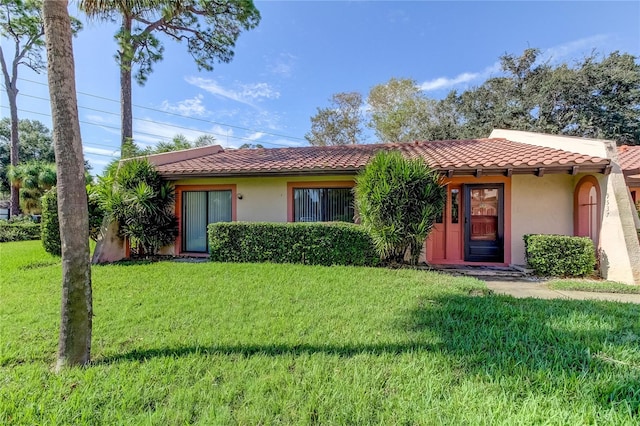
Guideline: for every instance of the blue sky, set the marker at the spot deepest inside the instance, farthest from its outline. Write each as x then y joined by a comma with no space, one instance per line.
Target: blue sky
302,52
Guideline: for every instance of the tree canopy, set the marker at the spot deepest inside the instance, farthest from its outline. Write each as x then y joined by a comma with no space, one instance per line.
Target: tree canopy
340,123
35,144
21,22
597,96
209,28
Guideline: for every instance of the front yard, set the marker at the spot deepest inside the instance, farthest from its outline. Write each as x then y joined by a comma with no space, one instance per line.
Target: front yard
210,343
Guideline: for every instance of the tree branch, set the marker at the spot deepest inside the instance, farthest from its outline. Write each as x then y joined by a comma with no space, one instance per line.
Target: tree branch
5,71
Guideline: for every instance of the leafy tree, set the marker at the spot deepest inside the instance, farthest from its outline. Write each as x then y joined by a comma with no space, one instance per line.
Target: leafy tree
340,123
400,112
141,203
597,97
594,97
209,27
21,22
74,346
50,225
32,179
203,140
250,146
177,143
131,149
35,145
398,200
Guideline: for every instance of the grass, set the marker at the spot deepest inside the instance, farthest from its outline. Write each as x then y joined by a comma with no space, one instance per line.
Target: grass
208,343
596,286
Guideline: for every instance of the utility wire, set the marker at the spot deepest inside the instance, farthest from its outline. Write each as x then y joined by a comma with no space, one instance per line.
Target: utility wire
161,137
153,122
179,115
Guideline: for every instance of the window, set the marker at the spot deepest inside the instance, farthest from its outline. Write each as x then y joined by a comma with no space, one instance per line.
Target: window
200,208
322,205
455,205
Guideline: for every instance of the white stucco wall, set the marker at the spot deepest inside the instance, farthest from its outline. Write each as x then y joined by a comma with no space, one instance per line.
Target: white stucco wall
264,199
619,246
539,205
595,147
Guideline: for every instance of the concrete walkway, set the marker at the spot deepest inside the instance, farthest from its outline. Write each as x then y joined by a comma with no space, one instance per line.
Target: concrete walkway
538,289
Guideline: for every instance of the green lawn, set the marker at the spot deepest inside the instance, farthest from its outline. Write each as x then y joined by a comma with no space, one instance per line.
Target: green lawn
206,343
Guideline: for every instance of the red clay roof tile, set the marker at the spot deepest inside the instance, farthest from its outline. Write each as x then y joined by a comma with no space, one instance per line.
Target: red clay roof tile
463,156
629,159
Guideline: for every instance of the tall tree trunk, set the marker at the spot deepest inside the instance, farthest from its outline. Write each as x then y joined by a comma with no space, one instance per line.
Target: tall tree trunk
12,93
126,111
75,328
10,81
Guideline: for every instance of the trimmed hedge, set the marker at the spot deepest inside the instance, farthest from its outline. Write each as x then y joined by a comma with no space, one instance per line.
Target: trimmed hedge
560,255
309,243
50,225
19,231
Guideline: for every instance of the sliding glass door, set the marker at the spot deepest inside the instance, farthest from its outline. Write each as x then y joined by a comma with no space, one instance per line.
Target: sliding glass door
200,208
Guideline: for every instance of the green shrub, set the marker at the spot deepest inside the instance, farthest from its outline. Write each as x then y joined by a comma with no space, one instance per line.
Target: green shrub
398,201
310,243
136,197
560,255
19,231
96,212
50,224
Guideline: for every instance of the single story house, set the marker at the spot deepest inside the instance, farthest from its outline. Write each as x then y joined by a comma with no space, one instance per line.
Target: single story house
498,189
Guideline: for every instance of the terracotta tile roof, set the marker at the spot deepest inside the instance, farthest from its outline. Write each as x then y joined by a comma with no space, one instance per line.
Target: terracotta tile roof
629,159
485,156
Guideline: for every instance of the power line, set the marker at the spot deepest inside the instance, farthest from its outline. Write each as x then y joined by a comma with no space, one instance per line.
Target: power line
161,137
152,122
180,115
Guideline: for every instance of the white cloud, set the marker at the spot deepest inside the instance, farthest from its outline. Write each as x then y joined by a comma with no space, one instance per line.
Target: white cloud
243,93
280,143
583,46
554,54
258,90
466,77
282,65
255,136
188,107
96,118
444,82
100,151
150,132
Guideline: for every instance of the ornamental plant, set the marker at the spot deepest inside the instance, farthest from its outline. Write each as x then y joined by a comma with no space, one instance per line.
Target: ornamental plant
135,196
398,200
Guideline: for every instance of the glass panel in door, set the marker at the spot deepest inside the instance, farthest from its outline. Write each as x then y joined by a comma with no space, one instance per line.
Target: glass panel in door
483,218
194,225
484,214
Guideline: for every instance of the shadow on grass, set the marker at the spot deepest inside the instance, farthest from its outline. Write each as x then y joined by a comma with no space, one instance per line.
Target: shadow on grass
265,350
544,344
530,339
40,264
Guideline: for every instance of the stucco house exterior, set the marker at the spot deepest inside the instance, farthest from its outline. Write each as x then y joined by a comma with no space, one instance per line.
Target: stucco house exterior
498,189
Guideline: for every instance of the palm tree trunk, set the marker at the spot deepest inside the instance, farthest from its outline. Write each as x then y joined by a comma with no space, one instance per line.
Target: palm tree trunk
126,111
74,346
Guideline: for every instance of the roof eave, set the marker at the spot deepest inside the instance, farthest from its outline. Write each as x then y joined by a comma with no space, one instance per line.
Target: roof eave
538,170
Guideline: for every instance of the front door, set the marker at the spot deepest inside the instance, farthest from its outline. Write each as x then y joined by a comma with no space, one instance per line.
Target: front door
484,223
